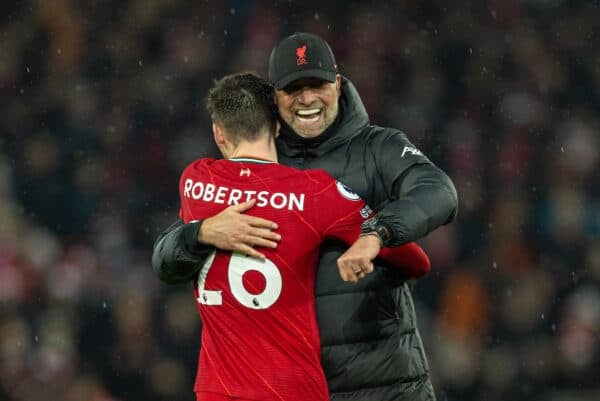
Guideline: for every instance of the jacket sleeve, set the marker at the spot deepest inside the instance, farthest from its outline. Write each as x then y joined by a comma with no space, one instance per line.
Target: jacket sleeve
177,256
423,197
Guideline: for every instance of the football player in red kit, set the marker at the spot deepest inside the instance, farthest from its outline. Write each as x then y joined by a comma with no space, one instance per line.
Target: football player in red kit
260,339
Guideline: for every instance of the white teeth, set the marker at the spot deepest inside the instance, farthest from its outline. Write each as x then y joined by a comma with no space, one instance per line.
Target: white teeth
308,112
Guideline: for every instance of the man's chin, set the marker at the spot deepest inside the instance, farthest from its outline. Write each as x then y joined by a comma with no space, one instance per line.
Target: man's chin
308,133
308,130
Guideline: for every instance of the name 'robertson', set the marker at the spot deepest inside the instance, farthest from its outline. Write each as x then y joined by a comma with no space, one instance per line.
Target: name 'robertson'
198,190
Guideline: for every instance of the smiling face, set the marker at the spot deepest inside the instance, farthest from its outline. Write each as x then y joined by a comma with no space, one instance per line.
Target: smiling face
309,105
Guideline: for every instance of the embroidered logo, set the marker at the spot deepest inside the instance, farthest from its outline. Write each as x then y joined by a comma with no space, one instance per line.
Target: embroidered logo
411,150
346,192
301,55
365,212
245,172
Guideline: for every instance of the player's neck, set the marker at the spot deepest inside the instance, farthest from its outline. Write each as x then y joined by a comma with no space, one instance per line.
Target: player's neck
261,149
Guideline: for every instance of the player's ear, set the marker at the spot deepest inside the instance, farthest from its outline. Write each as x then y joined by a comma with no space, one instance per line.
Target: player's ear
220,139
218,134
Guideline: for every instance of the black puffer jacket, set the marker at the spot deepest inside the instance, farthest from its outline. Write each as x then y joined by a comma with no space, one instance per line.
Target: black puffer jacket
371,347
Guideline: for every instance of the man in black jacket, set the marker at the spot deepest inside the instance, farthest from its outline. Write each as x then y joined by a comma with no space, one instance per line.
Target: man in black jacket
371,347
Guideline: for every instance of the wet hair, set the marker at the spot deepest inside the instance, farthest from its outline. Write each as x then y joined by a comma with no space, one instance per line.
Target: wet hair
243,105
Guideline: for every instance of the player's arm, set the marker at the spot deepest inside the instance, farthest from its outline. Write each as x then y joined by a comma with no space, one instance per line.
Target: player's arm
413,259
347,222
358,259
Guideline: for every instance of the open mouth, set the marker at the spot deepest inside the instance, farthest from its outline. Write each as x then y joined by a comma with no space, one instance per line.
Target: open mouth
308,115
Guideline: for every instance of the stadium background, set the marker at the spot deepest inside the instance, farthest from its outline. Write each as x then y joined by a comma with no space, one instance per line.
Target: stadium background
101,107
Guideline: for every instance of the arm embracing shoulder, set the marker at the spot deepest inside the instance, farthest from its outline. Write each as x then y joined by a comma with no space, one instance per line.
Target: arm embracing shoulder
423,197
177,255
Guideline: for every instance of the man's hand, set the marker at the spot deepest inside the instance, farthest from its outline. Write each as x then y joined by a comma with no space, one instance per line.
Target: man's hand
232,230
357,261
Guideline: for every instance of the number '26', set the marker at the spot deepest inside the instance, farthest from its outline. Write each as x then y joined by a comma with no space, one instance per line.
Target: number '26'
238,265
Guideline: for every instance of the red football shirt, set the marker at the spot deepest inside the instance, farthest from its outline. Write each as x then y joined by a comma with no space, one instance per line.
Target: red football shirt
259,331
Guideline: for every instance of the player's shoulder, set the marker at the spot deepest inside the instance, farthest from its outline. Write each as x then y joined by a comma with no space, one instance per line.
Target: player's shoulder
283,172
318,175
198,165
315,178
322,182
305,181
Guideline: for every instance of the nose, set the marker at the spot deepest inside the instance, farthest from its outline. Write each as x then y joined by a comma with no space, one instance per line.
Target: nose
306,96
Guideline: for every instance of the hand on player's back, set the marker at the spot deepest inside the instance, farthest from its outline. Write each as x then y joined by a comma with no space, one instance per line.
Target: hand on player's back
232,230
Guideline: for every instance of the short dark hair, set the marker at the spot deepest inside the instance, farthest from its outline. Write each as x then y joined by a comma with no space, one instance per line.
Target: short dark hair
243,104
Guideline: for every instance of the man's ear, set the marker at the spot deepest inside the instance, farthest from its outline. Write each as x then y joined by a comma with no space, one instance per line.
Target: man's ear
277,128
338,84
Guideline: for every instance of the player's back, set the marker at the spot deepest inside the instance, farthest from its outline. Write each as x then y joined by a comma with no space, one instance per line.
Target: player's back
259,338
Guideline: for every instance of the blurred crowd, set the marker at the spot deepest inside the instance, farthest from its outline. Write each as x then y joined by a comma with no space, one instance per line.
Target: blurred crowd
101,106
